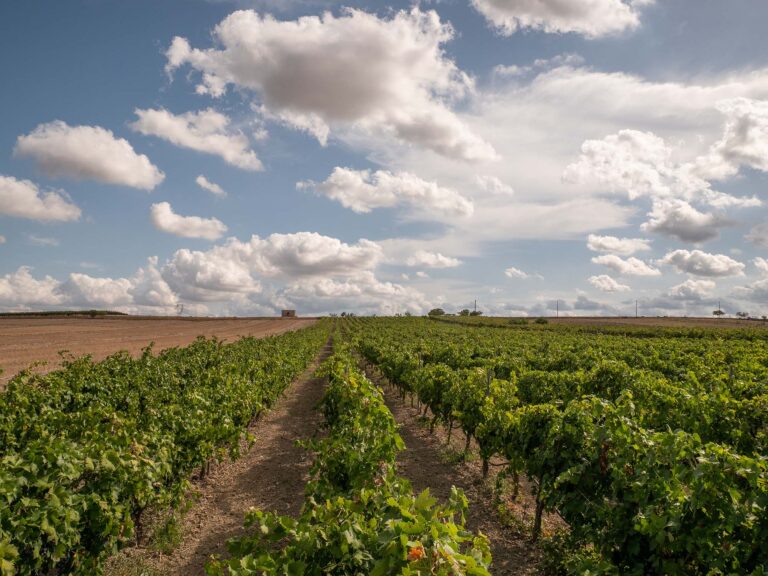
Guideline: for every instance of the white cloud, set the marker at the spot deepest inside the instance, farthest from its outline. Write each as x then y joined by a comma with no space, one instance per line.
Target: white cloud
590,18
23,199
678,219
322,73
432,260
605,283
629,267
208,276
84,290
211,187
87,153
494,185
165,220
618,246
206,131
744,141
692,290
421,274
235,266
758,235
635,162
145,292
21,289
43,241
2,239
362,292
513,272
363,191
701,263
761,264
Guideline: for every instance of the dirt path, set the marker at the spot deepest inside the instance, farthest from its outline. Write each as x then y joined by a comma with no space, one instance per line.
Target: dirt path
271,476
424,463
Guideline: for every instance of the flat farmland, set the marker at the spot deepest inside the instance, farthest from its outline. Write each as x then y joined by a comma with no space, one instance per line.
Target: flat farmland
26,340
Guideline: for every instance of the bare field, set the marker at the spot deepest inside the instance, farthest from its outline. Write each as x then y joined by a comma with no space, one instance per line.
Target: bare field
25,340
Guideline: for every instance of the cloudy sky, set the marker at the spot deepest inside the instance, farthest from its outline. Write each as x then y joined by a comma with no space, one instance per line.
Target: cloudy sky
242,156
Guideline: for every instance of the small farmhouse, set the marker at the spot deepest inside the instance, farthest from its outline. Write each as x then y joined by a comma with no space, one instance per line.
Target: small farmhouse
288,314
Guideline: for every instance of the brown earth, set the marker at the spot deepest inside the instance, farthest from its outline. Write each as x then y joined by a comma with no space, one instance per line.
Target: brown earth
270,475
25,340
430,461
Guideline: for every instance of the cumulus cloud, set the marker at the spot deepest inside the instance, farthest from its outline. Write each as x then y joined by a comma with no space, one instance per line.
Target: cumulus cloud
678,219
758,235
744,141
692,290
432,260
605,283
206,131
320,73
87,153
635,162
494,185
211,187
704,264
235,266
23,199
165,220
144,292
629,267
513,272
2,239
618,246
362,292
761,264
21,289
363,191
590,18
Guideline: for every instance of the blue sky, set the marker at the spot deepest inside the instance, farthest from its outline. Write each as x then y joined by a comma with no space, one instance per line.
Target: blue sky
383,158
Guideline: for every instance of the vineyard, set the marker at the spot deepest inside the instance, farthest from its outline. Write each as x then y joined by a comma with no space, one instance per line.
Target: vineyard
651,446
87,449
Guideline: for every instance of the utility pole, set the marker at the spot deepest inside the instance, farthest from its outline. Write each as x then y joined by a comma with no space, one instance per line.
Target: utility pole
557,308
635,308
475,305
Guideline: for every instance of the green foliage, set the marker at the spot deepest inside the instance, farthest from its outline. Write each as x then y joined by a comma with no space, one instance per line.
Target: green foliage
85,450
650,444
359,517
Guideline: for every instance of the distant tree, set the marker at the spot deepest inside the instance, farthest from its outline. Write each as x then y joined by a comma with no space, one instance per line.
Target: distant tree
718,313
408,314
742,315
436,312
476,313
464,312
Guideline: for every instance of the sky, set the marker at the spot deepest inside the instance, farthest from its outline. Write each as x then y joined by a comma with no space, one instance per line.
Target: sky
238,157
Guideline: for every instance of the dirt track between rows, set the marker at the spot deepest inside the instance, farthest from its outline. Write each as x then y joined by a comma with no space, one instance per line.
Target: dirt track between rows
24,341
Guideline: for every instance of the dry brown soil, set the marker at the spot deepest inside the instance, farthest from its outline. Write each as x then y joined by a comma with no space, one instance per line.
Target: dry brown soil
427,463
270,476
27,340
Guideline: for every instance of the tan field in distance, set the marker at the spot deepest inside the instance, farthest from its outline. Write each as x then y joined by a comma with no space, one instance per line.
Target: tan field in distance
26,339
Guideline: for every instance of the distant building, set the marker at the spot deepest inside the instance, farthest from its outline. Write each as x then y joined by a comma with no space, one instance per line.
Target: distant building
288,314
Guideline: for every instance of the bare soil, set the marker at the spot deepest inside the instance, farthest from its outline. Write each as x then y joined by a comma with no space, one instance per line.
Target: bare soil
270,476
26,340
429,461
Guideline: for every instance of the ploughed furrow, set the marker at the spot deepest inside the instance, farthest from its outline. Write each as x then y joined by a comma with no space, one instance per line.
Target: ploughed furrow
271,476
428,462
